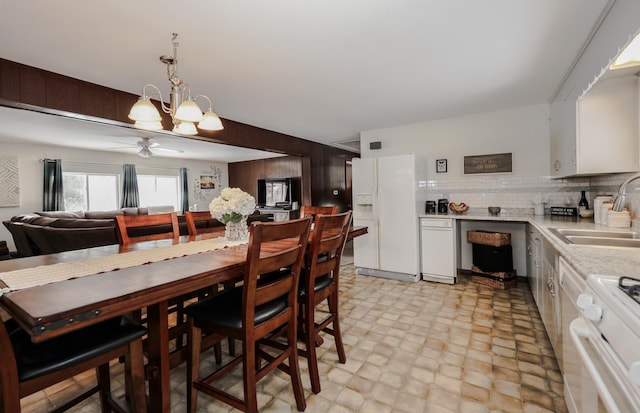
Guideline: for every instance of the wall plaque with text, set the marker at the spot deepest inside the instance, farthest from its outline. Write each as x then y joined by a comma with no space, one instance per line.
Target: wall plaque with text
486,164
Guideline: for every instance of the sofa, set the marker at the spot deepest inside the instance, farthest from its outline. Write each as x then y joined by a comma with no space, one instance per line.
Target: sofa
57,231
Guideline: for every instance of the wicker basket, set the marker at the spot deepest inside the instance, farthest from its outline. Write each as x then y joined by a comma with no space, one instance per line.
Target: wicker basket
495,239
499,280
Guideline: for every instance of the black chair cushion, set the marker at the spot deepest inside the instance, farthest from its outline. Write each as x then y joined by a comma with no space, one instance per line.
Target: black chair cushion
225,310
321,283
37,359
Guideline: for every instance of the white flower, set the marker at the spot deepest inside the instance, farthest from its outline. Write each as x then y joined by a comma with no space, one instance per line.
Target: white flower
232,205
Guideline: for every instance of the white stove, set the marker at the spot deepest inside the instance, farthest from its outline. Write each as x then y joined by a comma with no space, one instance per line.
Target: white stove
607,338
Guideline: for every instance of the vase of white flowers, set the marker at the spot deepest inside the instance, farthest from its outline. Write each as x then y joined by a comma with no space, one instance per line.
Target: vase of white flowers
232,208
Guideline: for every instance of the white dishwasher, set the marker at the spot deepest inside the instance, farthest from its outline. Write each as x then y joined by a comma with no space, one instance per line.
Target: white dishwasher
438,250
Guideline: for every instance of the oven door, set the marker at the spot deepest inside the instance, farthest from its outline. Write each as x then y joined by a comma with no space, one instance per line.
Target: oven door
606,386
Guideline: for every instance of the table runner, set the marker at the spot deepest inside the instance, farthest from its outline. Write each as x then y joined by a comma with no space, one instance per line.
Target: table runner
45,274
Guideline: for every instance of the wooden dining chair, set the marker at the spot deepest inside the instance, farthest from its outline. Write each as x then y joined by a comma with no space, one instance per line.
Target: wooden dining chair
192,217
252,312
312,211
28,367
320,278
137,228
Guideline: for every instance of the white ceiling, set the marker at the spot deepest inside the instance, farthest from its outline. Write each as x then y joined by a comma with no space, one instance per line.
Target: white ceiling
320,70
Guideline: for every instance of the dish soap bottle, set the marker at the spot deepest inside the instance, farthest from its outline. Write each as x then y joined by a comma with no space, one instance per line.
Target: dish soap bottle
583,204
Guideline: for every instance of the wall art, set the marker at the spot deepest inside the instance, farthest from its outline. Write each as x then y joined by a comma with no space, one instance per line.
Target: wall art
488,164
9,181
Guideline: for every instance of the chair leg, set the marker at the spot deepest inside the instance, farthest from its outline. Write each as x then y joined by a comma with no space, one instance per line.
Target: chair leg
194,339
310,343
337,334
249,375
294,368
232,346
134,368
104,386
10,390
179,321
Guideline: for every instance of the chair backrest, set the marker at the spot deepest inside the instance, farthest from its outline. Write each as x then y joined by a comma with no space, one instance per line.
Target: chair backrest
325,247
191,218
8,373
136,228
312,211
274,247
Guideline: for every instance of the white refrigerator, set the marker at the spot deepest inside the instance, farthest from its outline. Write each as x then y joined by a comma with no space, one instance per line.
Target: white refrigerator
388,194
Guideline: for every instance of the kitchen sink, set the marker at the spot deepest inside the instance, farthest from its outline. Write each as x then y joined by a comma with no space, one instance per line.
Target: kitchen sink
598,237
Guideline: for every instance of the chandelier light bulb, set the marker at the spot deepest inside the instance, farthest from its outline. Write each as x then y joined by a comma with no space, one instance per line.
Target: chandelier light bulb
210,121
186,128
148,125
188,111
143,110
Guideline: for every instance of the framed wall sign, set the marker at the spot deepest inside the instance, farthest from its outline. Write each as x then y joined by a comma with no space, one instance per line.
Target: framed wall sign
441,165
488,164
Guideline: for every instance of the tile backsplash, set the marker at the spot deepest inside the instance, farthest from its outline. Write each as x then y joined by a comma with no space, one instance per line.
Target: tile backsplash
516,194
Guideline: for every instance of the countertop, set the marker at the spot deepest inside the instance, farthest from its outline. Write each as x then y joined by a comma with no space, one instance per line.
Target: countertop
586,259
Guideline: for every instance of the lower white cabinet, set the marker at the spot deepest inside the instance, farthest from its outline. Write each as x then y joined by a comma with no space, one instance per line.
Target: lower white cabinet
542,265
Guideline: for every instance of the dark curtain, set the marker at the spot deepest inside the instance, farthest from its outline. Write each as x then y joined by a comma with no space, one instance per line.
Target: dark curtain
130,196
53,197
184,188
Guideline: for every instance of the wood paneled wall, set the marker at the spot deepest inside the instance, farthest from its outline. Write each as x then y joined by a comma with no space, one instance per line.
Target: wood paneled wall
322,167
245,175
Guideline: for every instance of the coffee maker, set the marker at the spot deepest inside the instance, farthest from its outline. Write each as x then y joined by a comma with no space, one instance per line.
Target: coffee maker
430,207
443,206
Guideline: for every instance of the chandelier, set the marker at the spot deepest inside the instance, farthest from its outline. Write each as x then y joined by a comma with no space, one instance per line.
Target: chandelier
185,113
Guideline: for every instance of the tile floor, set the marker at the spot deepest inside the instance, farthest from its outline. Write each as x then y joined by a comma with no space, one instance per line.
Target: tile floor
422,347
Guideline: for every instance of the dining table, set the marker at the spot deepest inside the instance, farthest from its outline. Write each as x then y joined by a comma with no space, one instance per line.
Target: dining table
56,308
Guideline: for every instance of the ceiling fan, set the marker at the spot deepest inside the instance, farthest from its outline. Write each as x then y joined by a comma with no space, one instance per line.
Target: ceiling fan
146,145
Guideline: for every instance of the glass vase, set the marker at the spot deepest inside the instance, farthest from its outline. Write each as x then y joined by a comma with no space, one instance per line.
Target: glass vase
237,231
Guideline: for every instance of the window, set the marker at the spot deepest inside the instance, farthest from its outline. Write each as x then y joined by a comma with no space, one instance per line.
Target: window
90,192
159,190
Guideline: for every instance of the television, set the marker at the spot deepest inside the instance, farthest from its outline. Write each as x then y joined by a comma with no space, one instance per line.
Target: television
278,192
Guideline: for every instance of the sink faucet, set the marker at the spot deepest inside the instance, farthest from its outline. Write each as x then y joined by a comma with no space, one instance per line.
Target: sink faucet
619,202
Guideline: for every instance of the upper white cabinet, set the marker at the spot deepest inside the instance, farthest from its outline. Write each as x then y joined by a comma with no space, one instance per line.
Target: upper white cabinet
607,127
594,123
605,137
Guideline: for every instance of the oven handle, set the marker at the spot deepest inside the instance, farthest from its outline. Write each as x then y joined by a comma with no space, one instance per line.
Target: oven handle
579,329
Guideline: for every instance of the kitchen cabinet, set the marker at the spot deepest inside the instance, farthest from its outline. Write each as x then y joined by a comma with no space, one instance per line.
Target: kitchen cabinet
571,286
542,264
533,263
549,294
604,138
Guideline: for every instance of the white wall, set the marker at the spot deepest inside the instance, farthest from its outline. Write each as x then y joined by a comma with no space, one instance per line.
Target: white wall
31,168
523,131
